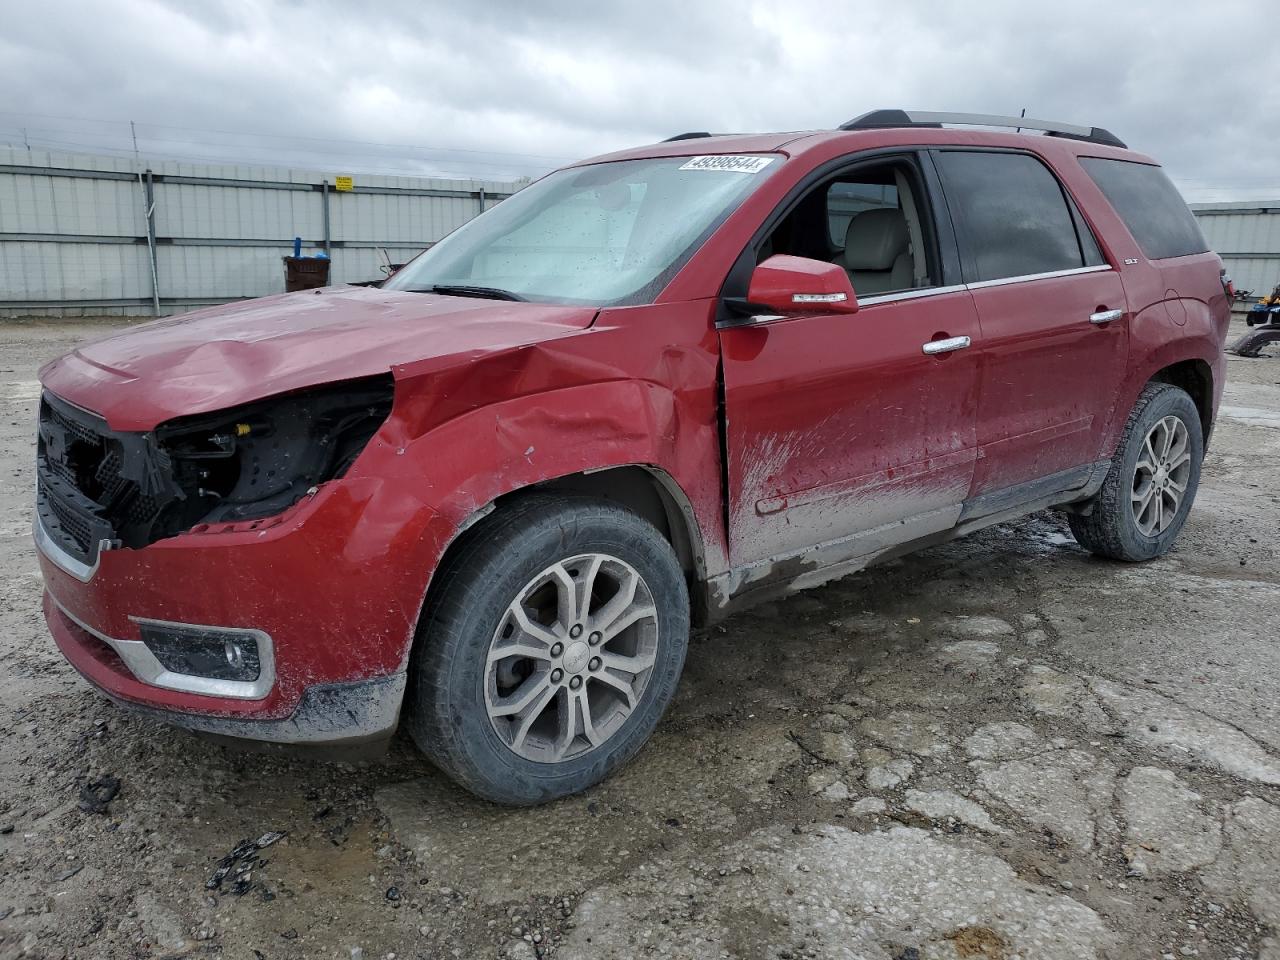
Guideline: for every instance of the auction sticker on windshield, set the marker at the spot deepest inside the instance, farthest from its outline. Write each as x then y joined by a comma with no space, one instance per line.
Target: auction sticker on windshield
725,163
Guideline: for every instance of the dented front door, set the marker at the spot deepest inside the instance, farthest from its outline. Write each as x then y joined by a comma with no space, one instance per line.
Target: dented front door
849,427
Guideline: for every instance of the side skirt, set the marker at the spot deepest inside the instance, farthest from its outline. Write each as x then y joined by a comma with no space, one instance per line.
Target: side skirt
743,587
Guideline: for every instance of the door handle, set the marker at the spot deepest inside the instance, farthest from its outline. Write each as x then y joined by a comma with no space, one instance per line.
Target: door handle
1105,316
945,346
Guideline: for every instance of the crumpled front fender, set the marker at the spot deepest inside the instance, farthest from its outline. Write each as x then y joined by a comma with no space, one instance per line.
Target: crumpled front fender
639,388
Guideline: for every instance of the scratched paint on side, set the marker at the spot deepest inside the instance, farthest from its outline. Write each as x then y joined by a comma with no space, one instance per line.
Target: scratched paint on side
804,527
770,520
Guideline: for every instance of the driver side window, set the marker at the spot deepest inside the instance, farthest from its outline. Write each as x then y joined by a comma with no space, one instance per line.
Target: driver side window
871,221
846,199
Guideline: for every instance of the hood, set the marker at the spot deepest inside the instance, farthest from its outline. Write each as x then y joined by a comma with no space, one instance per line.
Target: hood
224,356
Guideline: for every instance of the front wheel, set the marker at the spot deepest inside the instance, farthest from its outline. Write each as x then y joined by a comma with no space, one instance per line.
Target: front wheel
552,644
1153,479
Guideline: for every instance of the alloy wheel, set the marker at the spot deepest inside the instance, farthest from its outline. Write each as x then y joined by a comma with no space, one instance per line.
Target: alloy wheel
1161,475
571,658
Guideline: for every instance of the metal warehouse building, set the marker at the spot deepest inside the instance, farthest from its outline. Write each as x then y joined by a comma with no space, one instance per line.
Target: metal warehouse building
1247,237
93,236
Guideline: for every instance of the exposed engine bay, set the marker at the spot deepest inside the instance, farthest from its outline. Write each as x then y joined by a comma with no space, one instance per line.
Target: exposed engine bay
253,461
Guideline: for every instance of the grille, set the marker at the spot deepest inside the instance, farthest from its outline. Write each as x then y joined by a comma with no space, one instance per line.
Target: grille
82,431
83,497
70,518
73,524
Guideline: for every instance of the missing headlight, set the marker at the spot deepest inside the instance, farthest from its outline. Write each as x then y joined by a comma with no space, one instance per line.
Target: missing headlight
257,460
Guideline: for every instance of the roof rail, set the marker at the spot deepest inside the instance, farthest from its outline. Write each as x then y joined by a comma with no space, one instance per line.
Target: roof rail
883,119
695,135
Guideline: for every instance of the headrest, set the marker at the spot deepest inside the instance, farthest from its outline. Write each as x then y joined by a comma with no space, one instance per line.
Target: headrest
875,239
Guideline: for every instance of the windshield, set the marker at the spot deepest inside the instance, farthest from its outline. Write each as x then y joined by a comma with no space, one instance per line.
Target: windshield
605,234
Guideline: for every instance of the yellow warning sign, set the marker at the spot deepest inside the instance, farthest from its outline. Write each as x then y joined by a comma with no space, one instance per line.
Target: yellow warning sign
343,184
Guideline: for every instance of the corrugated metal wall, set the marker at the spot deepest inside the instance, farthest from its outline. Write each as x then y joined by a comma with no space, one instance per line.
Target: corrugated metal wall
1247,237
73,230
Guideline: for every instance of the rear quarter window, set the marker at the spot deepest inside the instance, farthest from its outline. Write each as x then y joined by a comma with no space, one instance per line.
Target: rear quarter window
1150,206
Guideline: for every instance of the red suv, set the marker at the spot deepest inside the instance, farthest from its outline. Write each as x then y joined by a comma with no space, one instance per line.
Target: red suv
488,498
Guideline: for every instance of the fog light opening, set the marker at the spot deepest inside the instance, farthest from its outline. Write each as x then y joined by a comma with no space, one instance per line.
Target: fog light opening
207,652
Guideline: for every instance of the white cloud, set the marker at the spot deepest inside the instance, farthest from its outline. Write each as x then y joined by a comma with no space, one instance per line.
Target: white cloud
517,87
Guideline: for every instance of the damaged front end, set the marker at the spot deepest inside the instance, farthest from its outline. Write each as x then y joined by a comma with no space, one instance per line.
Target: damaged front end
102,489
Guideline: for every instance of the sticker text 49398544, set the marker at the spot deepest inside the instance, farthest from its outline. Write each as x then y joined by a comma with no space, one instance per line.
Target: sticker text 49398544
726,163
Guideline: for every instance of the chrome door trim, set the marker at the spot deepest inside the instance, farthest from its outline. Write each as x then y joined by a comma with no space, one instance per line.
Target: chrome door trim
907,295
1028,277
956,287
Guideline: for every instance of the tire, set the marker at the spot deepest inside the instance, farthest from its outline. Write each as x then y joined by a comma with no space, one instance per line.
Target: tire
527,757
1119,526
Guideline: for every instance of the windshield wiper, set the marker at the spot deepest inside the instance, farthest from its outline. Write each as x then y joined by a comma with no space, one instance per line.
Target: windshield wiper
463,290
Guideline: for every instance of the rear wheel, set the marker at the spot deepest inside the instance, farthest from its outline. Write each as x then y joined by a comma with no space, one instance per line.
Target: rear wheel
553,643
1153,479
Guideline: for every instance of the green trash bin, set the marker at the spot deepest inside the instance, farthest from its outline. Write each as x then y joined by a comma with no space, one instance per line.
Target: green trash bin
305,273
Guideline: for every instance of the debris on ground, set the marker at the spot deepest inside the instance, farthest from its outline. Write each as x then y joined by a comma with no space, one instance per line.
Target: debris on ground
97,794
236,868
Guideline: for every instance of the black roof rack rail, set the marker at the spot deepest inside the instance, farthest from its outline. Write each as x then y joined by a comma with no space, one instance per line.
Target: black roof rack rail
697,134
887,119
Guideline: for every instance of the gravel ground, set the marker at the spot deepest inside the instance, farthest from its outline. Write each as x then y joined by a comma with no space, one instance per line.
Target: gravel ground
999,748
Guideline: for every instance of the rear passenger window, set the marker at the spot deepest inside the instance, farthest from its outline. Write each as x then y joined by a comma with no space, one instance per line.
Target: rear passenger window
1150,206
1011,215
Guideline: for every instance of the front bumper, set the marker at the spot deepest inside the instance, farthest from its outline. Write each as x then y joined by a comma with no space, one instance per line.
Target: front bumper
329,714
331,589
334,714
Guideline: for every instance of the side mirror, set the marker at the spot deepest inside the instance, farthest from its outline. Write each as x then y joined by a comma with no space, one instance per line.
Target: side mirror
789,285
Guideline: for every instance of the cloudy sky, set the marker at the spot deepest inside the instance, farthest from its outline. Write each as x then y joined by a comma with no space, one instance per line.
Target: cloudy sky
505,88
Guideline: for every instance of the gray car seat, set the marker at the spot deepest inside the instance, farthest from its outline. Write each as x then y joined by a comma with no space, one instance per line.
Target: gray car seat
877,252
